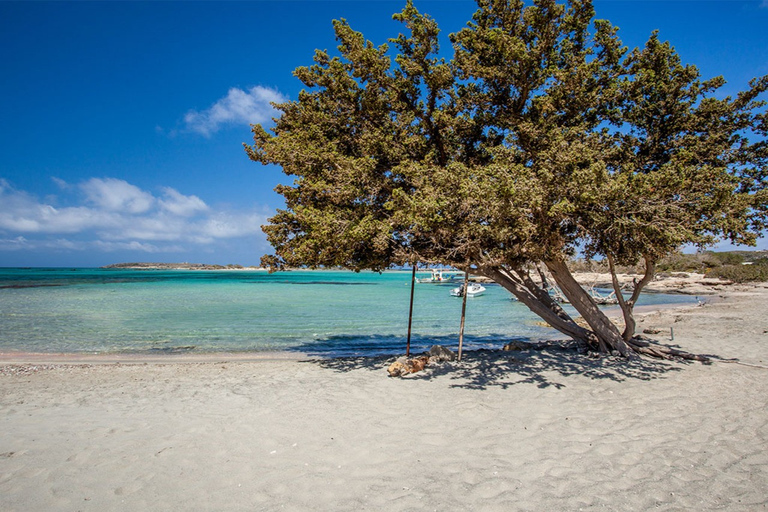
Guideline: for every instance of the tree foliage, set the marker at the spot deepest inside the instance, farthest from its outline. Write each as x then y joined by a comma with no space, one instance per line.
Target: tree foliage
543,136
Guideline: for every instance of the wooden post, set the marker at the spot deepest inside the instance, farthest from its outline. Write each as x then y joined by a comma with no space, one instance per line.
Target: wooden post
463,312
410,312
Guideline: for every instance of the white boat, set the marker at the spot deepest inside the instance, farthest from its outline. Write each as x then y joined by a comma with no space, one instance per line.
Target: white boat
473,290
436,277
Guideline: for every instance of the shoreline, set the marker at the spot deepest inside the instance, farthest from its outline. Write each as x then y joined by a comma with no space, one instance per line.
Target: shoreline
691,285
75,358
84,358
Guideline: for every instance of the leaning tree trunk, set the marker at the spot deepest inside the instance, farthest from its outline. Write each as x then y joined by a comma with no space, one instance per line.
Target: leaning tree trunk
607,333
604,335
539,302
542,292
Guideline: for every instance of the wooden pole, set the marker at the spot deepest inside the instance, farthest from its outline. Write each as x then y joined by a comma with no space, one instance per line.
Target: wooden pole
463,312
410,312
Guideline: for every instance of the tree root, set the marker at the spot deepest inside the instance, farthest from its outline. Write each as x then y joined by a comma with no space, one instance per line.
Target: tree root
643,346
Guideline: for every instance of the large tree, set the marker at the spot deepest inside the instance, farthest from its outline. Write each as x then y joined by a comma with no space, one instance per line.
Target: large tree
542,137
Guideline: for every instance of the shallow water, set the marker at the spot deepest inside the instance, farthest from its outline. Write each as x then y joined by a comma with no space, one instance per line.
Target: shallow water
333,313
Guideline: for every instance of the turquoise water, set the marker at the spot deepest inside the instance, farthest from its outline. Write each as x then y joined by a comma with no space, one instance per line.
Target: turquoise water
332,313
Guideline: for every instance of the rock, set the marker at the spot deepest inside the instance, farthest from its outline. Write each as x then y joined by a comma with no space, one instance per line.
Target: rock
516,345
440,354
417,364
397,368
404,365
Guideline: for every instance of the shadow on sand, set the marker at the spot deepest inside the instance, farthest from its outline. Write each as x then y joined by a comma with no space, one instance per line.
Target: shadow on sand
542,365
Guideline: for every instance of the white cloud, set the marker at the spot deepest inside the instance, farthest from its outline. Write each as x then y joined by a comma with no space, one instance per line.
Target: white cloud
21,243
61,183
13,244
157,227
226,225
179,204
133,246
237,107
117,195
116,216
22,213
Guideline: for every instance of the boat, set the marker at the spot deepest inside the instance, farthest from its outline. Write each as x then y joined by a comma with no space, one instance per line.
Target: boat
436,277
473,290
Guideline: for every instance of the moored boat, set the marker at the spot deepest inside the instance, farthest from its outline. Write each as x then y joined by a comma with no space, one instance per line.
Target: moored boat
437,277
473,290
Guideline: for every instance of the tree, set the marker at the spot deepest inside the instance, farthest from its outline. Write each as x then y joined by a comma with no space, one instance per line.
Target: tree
542,137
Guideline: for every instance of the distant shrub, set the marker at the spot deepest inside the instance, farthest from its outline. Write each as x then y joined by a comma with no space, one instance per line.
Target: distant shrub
757,271
582,265
723,258
680,262
702,263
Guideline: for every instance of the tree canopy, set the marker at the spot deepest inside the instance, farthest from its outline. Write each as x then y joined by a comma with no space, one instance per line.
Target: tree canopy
543,136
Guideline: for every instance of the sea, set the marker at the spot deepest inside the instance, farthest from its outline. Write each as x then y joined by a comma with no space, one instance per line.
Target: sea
321,313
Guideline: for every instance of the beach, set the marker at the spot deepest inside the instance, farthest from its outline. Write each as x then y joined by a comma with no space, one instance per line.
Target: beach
531,430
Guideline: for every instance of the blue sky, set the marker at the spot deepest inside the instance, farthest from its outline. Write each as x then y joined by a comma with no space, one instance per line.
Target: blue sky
123,122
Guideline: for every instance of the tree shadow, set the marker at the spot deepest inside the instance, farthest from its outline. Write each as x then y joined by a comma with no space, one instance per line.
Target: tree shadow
351,346
544,365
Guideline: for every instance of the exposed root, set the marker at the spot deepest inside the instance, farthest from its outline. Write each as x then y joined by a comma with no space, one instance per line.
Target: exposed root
642,346
645,347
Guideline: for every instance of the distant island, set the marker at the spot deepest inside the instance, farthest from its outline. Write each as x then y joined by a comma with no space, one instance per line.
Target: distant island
176,266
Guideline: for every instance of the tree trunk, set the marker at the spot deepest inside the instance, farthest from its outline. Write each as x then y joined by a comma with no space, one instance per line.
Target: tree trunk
605,336
607,333
541,292
628,306
463,311
562,323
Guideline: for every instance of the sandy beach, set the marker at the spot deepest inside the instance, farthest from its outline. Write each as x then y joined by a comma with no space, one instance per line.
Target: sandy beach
528,430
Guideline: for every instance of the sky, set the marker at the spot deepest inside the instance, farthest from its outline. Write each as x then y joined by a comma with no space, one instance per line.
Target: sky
122,122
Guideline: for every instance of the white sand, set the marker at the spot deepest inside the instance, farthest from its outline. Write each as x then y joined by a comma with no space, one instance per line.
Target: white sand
537,431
